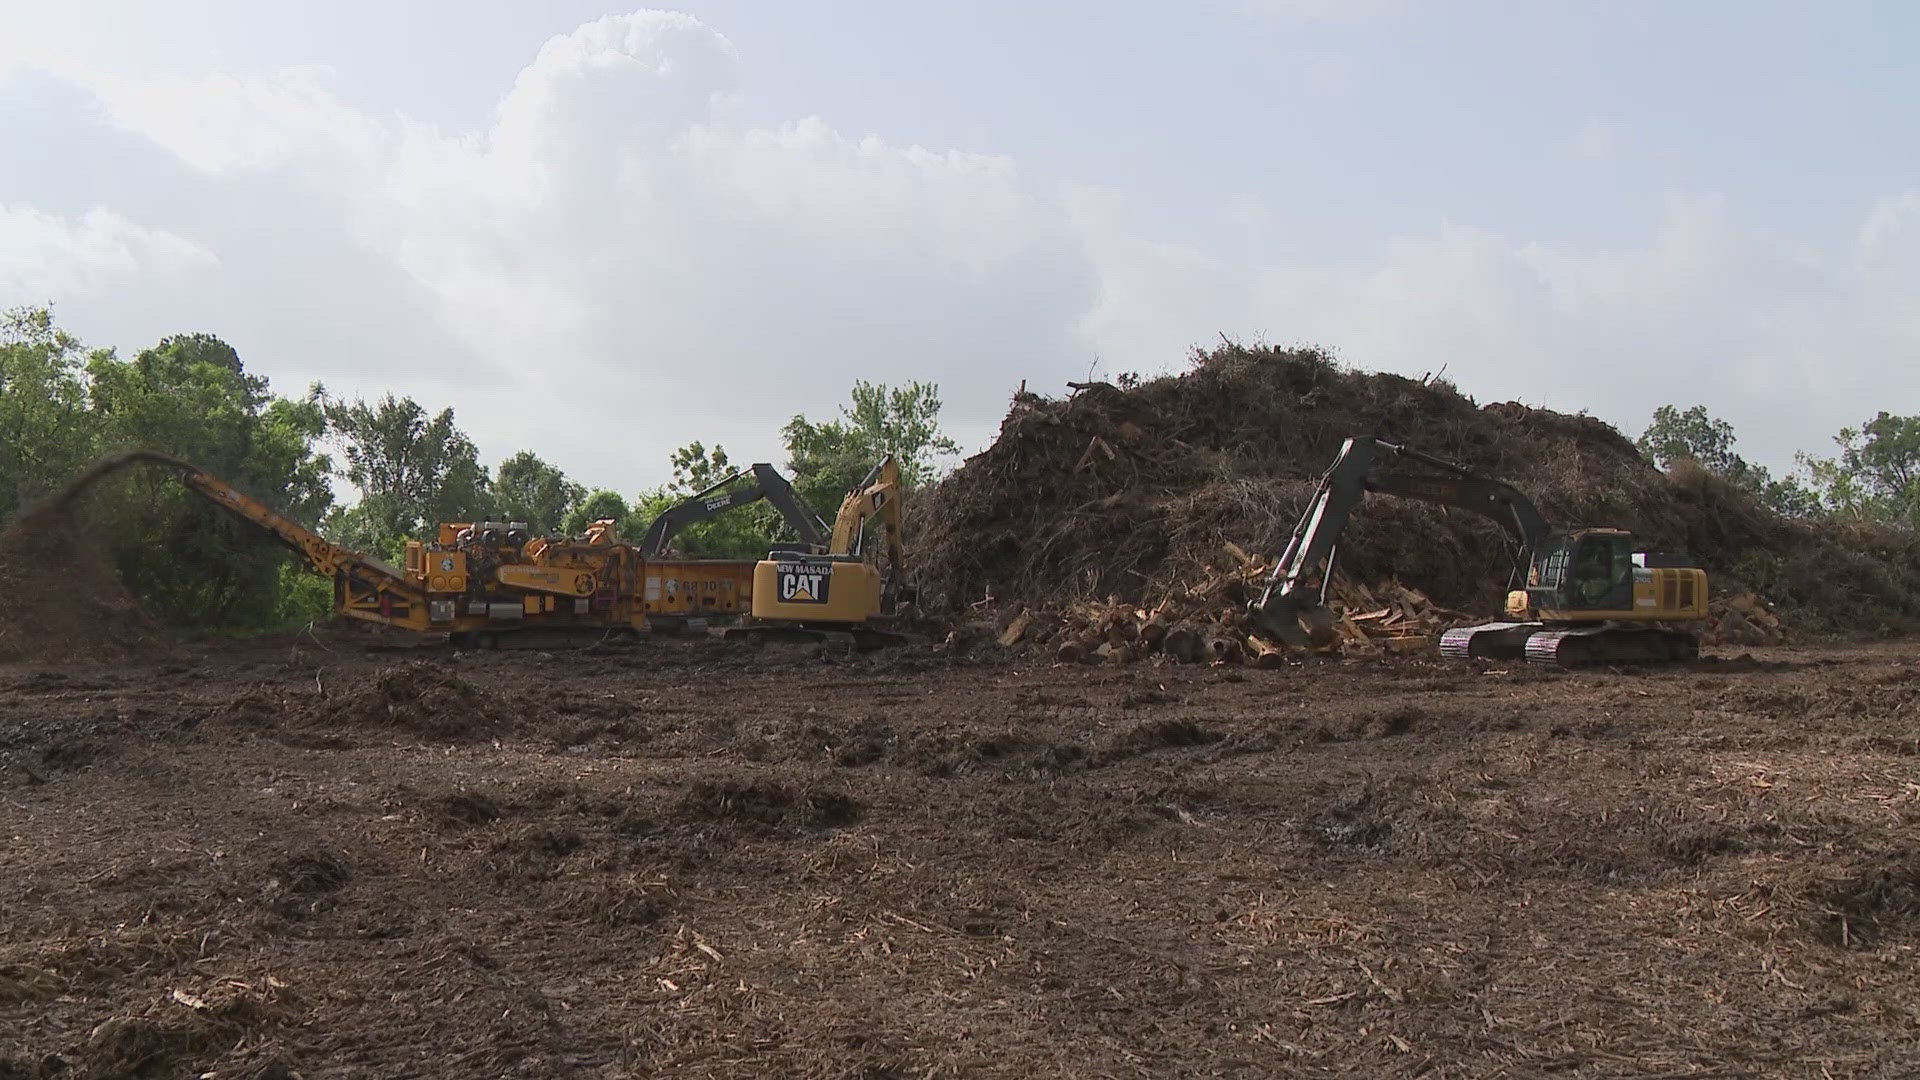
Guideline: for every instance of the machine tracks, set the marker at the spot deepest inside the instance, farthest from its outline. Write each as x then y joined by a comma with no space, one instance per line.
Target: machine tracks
1570,646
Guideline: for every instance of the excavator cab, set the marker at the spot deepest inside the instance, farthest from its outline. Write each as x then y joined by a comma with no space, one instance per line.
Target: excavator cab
1595,575
1582,570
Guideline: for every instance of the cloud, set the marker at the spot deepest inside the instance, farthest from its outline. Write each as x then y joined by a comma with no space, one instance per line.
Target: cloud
617,263
1597,140
1788,344
43,256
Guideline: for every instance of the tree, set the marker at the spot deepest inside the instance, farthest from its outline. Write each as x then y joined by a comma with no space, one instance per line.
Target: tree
695,468
744,532
47,434
1694,435
190,562
828,459
413,471
1708,441
528,489
599,506
1876,476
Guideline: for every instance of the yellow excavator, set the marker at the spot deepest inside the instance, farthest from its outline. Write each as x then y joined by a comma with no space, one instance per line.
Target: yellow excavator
802,593
1578,596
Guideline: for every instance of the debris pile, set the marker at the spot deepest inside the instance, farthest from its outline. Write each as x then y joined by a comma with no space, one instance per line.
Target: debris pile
421,698
1209,621
60,598
1124,496
1743,619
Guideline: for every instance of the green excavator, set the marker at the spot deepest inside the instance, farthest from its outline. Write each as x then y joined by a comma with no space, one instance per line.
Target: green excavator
1577,596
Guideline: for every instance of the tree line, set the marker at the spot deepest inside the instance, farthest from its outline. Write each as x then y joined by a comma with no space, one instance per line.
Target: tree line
63,406
1873,478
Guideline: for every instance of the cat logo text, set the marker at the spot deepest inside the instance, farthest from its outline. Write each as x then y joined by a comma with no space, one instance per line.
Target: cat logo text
804,582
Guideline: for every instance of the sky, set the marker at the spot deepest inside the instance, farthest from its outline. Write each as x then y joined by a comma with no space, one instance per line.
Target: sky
601,233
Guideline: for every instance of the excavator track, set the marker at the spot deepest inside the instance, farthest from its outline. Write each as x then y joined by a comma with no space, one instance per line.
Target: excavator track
546,637
1569,646
1610,643
851,639
1489,641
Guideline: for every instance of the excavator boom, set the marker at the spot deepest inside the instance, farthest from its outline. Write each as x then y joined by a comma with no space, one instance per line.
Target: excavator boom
1287,601
767,484
878,495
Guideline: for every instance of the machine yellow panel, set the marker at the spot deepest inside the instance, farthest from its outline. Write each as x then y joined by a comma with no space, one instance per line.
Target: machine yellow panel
1665,594
697,587
443,571
545,579
815,590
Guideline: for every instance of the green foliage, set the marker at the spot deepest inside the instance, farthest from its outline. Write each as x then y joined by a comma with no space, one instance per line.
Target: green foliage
1792,497
1876,476
827,459
47,433
305,598
745,532
191,563
1708,441
528,489
413,471
599,506
695,468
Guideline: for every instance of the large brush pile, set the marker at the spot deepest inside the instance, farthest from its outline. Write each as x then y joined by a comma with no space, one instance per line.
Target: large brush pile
1133,494
60,599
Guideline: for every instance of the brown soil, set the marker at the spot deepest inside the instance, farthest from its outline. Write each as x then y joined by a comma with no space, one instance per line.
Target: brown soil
313,860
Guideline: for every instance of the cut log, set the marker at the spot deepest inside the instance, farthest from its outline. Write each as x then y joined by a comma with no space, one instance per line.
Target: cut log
1015,630
1263,655
1224,650
1183,644
1239,555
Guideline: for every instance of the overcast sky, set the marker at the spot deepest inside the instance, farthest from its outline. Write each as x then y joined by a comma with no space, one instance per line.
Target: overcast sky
601,233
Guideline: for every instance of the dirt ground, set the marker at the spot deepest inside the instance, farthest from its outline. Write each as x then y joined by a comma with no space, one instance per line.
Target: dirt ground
312,859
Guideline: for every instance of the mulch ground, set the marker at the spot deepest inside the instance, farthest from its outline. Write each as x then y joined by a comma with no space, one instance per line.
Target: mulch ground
683,859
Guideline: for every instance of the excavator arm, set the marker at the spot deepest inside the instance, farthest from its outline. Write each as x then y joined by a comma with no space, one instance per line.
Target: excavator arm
767,484
1290,609
876,496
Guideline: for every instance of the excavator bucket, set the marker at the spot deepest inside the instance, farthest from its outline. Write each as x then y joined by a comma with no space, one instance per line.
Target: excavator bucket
1307,626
